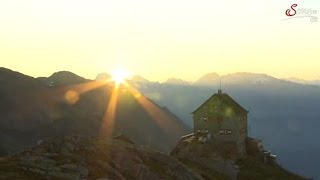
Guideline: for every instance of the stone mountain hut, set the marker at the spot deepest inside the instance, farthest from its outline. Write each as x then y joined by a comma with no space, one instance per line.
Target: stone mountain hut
222,121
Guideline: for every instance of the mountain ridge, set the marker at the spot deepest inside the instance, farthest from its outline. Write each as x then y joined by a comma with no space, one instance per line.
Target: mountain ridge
72,104
213,79
78,157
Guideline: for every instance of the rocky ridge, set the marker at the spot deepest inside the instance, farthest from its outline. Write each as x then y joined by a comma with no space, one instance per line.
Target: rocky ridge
207,159
77,157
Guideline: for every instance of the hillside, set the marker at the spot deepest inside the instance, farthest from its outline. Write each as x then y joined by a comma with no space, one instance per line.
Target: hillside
34,109
77,157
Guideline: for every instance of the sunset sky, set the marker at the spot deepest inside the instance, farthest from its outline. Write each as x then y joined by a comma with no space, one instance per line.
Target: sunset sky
159,39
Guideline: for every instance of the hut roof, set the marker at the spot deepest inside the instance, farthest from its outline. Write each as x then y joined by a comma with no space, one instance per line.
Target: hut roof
227,100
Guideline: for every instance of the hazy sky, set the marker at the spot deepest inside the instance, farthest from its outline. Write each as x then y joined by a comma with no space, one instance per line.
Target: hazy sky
159,39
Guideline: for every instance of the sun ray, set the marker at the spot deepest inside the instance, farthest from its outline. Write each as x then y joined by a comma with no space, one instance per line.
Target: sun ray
72,93
156,112
110,113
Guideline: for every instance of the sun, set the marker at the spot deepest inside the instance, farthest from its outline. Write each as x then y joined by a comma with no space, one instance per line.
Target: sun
119,75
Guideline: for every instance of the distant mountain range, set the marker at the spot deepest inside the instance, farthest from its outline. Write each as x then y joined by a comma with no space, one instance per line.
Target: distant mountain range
302,81
213,79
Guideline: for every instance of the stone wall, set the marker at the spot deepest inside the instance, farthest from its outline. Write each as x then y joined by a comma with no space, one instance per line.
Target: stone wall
217,127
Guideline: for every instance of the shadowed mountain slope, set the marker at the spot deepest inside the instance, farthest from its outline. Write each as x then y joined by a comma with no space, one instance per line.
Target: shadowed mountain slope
32,110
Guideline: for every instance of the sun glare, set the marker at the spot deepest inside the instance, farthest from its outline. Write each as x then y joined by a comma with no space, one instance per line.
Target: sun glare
119,75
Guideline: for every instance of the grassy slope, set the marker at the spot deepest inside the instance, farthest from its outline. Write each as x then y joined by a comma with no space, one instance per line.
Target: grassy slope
10,170
203,171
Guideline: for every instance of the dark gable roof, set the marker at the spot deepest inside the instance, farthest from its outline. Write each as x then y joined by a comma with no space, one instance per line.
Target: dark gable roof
226,99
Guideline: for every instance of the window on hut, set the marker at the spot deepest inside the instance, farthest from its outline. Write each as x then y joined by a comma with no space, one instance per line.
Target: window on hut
205,118
225,132
229,132
205,114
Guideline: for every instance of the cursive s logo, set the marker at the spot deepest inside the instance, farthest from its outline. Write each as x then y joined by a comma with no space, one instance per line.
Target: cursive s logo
294,12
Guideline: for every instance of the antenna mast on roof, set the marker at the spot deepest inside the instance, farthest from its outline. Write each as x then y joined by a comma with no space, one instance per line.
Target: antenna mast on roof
220,90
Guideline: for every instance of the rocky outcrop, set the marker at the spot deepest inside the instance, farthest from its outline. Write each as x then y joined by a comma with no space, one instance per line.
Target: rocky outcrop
207,159
78,157
206,155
